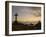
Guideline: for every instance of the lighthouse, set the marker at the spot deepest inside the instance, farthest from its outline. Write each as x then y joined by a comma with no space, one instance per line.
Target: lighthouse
16,17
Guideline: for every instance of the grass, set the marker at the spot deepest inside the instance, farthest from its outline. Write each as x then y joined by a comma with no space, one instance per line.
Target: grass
20,26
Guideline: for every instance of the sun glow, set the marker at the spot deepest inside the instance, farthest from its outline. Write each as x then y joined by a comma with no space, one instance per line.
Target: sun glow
29,19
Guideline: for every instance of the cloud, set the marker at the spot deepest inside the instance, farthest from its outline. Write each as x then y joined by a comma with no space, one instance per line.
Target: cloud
27,14
23,11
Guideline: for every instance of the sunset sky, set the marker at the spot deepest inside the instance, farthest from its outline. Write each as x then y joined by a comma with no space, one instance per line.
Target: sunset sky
26,14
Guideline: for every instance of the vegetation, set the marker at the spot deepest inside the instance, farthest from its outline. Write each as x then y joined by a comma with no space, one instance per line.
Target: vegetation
20,26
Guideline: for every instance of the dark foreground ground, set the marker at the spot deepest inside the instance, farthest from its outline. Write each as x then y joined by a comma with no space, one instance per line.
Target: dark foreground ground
20,26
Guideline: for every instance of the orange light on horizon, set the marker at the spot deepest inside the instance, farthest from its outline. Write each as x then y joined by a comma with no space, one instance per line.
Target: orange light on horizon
29,19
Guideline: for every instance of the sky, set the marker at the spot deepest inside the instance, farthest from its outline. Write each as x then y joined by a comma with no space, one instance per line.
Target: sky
26,14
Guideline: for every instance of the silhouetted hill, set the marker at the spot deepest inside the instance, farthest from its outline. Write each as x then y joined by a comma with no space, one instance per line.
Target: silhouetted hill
17,23
20,26
38,25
